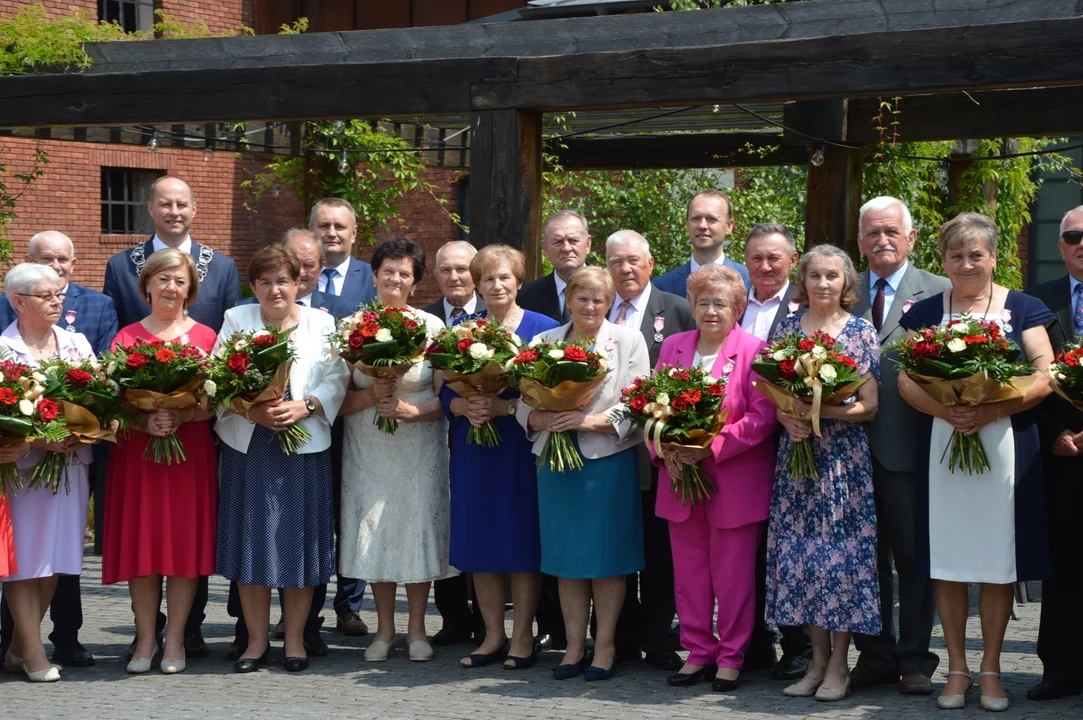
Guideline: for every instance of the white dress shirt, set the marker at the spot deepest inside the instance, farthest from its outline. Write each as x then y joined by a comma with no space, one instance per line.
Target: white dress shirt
470,307
759,315
185,246
634,317
693,265
340,277
890,289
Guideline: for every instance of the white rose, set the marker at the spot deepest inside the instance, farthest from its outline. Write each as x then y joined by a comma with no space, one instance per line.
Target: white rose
516,340
240,345
708,380
383,335
959,329
818,351
556,354
94,364
111,368
535,342
673,372
39,377
603,363
210,388
956,345
26,407
479,351
828,373
780,355
662,399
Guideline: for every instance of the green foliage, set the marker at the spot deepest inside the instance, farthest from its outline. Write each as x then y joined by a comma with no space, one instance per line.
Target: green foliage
8,197
31,40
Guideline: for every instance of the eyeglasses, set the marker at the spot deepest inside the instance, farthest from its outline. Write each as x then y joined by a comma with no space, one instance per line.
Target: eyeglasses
45,298
1072,237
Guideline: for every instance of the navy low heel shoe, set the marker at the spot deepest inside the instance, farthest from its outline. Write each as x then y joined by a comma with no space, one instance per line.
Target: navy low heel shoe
596,673
566,672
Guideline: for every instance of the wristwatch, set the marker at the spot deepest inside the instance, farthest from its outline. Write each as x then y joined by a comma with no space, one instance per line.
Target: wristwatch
310,405
511,407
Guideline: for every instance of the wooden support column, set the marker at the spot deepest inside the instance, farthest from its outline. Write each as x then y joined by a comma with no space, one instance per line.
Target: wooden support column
505,182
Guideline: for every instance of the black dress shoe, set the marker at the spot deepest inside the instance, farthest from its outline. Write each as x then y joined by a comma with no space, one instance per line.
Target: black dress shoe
195,647
452,636
790,667
1049,689
666,660
689,679
296,664
723,685
250,665
315,646
74,655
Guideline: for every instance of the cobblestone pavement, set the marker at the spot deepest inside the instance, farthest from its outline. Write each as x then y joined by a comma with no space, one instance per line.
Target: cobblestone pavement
342,685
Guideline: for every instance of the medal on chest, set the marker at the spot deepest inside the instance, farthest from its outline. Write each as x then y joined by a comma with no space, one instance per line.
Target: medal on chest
69,318
659,324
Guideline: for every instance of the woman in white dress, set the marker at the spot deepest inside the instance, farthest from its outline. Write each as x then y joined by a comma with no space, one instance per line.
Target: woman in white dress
395,521
986,528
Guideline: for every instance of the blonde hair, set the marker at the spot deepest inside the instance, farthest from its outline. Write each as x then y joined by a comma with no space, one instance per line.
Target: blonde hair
591,278
168,259
493,254
963,228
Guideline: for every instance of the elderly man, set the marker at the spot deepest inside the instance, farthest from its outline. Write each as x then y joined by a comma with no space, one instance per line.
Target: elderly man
310,255
1060,635
646,619
91,313
885,290
566,242
709,221
334,221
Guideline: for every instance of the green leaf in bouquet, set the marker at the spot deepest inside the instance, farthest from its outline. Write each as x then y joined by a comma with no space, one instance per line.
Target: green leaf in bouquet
373,352
936,368
277,354
569,370
440,360
768,371
16,427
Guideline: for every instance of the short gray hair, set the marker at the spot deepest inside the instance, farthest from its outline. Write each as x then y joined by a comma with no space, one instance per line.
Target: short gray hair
307,235
451,245
44,235
883,203
25,278
333,202
628,237
965,227
849,296
764,229
1064,220
562,214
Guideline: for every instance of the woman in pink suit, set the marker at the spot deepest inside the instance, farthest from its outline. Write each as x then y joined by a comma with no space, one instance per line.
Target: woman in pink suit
714,543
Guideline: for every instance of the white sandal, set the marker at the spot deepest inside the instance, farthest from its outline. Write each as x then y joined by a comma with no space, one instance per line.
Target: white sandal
992,704
956,702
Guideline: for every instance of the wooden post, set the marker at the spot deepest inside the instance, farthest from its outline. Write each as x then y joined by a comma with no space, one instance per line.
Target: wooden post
505,182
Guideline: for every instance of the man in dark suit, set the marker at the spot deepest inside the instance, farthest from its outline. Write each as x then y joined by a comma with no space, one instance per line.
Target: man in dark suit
709,221
1060,634
172,207
645,622
458,300
566,243
771,256
885,291
91,313
334,222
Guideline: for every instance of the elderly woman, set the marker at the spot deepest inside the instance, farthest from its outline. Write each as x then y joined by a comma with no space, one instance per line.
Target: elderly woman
395,503
591,521
275,516
986,528
48,528
821,543
494,523
160,520
714,543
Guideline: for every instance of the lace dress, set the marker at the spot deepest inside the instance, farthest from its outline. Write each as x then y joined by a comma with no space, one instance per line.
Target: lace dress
395,521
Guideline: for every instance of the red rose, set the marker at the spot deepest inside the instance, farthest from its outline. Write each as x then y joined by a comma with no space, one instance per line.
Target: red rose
527,356
465,344
679,403
849,362
825,339
137,360
575,354
786,369
191,352
369,316
46,410
638,403
78,378
1069,360
12,370
264,341
8,396
238,363
356,340
806,345
369,329
717,390
165,355
410,325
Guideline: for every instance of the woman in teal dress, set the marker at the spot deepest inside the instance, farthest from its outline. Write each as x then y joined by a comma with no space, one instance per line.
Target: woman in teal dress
591,521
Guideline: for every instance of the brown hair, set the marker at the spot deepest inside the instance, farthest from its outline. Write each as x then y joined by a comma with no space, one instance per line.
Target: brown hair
272,259
849,286
333,202
710,193
168,259
965,227
591,278
490,255
722,277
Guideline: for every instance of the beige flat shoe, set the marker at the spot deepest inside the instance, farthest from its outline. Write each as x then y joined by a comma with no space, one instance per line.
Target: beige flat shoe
990,703
805,687
379,651
172,667
49,674
955,702
420,651
826,694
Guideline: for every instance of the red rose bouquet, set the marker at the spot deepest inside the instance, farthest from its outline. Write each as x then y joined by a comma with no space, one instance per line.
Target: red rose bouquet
558,376
381,341
88,403
471,357
249,368
965,362
1066,374
678,408
24,415
155,375
806,367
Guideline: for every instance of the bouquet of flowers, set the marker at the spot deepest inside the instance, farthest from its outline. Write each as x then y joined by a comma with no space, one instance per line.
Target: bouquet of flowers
471,357
677,408
1066,374
250,368
381,341
88,403
965,362
155,375
806,367
558,376
24,414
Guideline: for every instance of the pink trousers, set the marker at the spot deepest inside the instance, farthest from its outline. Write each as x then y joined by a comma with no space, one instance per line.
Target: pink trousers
711,564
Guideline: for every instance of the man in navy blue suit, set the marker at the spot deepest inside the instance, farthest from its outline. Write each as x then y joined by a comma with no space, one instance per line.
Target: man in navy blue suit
709,221
91,313
334,222
172,207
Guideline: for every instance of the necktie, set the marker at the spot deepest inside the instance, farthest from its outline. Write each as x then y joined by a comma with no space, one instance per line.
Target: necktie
298,302
565,314
1077,301
623,312
456,313
878,304
330,274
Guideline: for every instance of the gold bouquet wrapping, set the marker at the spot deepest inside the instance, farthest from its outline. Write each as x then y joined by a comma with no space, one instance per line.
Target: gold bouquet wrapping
83,425
1059,390
491,379
692,486
168,449
385,372
559,451
293,437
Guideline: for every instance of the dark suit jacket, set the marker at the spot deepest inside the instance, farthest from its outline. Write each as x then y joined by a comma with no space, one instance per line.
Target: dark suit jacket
1056,414
95,317
437,309
337,308
541,297
218,292
676,280
357,287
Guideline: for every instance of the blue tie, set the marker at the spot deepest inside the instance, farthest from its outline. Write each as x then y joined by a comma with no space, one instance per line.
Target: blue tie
330,274
1077,302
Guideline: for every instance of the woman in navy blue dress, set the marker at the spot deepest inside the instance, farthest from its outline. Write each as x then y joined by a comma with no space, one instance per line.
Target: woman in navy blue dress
494,491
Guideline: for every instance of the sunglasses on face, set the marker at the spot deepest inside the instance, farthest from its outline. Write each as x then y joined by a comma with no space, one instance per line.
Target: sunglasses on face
1072,237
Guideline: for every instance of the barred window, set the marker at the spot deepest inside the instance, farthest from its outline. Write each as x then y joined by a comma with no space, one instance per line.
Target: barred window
132,15
124,201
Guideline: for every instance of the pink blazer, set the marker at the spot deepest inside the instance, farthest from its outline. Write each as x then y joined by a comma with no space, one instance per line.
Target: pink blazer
743,466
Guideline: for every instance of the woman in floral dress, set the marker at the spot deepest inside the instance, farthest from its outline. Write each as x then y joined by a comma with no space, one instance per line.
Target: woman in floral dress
821,546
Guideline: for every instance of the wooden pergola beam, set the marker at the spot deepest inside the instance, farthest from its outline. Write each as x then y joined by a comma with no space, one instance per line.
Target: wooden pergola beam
677,150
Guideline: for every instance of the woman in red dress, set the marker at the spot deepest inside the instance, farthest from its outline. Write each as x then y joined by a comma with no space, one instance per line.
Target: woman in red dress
161,520
8,565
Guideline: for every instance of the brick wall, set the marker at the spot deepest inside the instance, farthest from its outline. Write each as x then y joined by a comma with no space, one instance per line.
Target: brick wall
54,7
223,17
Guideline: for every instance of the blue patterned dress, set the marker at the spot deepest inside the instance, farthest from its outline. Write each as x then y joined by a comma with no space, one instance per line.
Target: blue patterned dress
821,544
